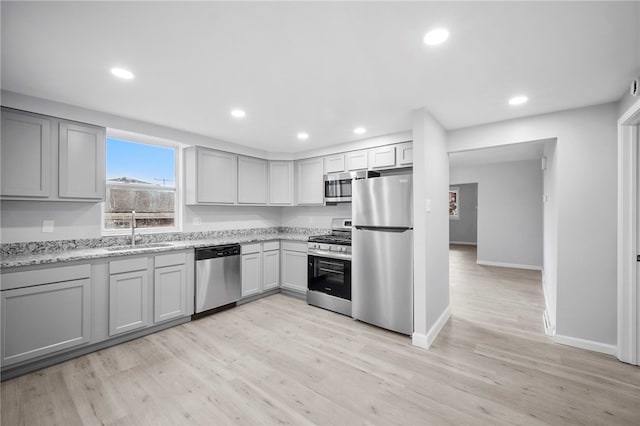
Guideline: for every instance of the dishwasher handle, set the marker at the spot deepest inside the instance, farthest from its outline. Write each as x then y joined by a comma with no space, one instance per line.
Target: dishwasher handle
217,251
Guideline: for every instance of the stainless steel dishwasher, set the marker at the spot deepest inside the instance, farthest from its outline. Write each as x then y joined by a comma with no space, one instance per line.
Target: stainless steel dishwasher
217,276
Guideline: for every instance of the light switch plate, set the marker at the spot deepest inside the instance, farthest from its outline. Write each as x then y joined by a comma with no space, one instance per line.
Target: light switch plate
47,225
428,206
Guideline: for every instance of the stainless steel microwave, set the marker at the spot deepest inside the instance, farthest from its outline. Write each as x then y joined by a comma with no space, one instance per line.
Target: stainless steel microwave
337,186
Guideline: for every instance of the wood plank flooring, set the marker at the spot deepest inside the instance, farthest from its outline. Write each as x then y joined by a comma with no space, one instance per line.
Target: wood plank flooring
280,361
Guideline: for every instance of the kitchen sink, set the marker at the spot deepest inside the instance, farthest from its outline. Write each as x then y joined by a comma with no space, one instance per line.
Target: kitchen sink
138,246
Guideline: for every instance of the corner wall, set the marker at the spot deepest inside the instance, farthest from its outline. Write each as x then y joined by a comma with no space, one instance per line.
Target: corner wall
431,228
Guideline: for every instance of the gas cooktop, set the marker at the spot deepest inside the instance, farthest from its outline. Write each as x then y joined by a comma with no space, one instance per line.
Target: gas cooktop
343,239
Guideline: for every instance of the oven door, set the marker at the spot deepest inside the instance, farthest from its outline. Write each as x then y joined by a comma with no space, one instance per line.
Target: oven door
337,190
330,276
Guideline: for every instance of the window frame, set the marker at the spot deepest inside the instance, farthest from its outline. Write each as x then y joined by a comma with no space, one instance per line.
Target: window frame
178,210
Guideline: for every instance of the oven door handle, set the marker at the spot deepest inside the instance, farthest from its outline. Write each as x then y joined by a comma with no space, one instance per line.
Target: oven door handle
329,254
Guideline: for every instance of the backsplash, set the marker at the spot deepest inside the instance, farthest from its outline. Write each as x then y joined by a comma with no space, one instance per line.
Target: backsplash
45,247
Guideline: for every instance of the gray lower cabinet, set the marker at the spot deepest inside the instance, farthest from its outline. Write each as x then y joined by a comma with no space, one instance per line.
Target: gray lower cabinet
128,295
169,287
271,268
45,311
294,266
251,269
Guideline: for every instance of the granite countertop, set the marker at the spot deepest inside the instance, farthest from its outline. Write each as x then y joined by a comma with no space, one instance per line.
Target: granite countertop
30,259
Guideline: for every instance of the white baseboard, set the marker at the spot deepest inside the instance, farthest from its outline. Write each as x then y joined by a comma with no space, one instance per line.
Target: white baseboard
586,344
426,340
464,243
509,265
549,327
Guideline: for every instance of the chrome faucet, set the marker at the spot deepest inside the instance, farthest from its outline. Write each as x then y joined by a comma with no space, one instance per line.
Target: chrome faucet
133,227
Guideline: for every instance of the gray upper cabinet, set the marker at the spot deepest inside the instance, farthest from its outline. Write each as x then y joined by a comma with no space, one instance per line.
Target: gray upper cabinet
404,154
310,181
82,171
253,180
281,183
44,313
211,176
46,158
26,154
357,160
334,163
382,157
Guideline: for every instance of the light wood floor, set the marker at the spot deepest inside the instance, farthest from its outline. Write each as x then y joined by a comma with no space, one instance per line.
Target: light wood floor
278,360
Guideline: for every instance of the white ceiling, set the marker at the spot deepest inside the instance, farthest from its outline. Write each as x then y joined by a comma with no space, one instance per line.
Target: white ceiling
500,154
322,67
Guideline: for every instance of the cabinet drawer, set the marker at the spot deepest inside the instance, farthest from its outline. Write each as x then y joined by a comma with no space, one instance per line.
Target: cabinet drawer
127,265
13,280
271,245
250,248
170,259
294,246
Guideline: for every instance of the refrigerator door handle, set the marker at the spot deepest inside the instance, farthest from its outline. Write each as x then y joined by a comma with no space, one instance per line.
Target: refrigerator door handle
384,228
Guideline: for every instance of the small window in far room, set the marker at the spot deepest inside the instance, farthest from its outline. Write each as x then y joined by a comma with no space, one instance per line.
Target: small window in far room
454,203
140,177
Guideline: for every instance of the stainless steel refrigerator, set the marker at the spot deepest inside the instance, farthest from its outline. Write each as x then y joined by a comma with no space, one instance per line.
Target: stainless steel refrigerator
382,252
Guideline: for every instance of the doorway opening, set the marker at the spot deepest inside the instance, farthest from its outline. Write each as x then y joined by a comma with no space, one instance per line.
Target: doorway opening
496,275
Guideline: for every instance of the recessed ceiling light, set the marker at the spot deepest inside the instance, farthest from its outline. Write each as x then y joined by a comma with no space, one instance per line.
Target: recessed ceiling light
303,136
437,36
359,130
122,73
518,100
238,113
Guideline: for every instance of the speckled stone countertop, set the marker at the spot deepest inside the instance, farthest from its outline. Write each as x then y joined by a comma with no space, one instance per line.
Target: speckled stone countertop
37,253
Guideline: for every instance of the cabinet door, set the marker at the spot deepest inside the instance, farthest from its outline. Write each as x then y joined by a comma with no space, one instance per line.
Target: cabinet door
170,293
384,156
271,270
217,177
281,182
357,160
253,179
334,163
82,163
43,319
404,152
310,181
26,155
294,271
251,274
128,302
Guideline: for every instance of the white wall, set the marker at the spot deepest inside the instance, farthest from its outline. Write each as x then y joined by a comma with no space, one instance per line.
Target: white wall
431,228
22,220
313,216
550,230
464,229
218,218
509,211
586,214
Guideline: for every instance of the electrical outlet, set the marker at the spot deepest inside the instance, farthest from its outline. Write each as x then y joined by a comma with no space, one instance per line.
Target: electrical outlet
197,221
47,225
428,206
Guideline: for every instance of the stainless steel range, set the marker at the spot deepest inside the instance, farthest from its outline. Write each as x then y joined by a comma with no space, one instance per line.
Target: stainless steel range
329,268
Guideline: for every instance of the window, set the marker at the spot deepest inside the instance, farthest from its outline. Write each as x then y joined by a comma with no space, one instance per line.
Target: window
454,203
141,178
